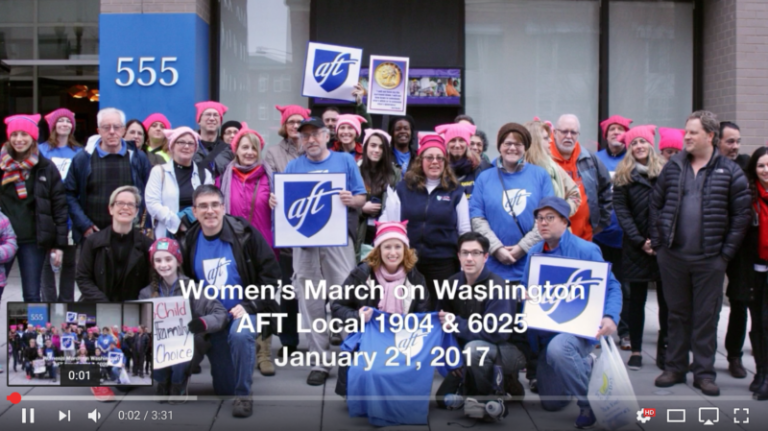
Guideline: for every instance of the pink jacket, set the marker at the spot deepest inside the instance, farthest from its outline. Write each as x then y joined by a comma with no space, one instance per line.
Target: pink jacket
241,201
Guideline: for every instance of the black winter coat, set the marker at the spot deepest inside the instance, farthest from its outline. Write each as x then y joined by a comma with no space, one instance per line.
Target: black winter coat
726,213
348,308
632,203
95,274
742,277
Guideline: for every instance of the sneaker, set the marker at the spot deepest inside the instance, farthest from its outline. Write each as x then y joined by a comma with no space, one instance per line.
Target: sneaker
474,409
317,378
242,407
335,339
635,362
103,394
626,344
586,419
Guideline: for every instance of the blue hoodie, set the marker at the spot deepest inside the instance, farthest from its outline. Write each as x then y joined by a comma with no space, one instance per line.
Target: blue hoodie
575,247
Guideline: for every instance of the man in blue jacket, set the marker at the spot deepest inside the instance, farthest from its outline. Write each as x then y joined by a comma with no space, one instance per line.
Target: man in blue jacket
96,172
560,376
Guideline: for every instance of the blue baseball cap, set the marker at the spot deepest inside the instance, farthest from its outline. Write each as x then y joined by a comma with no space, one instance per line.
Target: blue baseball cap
559,205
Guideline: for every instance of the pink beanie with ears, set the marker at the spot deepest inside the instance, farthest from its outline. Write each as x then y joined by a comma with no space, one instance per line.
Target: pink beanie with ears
370,132
352,120
287,111
456,130
431,141
671,138
158,117
203,106
244,130
390,230
174,134
23,123
647,131
54,116
615,119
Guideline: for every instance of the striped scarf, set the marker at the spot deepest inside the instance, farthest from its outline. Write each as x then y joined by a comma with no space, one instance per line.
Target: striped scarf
17,172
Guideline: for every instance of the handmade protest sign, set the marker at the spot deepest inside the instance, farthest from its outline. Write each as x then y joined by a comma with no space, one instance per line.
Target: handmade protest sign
331,71
387,92
172,342
566,295
309,211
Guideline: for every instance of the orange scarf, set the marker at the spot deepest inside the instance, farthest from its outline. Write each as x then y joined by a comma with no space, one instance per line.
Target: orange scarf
580,224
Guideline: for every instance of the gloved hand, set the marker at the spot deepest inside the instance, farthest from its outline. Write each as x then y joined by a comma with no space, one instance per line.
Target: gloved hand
187,212
197,326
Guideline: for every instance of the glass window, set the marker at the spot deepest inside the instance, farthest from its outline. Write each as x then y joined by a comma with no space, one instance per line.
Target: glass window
527,58
131,315
17,43
68,10
651,62
273,34
109,315
17,11
69,43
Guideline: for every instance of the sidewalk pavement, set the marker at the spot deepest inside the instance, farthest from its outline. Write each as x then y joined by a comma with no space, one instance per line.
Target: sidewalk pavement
286,402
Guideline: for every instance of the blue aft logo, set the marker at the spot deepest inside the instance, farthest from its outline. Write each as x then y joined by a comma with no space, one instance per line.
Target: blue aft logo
331,68
563,310
308,205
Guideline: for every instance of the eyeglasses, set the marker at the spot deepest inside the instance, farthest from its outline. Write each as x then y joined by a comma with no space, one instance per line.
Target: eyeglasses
473,253
568,132
184,144
205,207
293,123
508,144
316,134
549,218
438,159
111,127
121,204
211,115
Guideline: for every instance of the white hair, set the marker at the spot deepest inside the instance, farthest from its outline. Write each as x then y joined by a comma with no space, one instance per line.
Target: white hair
569,117
106,111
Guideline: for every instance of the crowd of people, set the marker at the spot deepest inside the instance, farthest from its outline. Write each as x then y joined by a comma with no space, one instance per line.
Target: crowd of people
419,212
46,347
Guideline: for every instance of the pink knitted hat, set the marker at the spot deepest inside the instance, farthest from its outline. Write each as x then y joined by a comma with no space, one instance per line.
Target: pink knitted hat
173,134
647,131
671,138
548,123
352,120
54,116
203,106
370,132
456,130
242,132
615,119
431,141
154,118
287,111
390,230
23,123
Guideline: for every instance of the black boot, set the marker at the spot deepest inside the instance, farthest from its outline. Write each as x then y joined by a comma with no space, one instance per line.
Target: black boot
758,380
760,354
661,352
761,394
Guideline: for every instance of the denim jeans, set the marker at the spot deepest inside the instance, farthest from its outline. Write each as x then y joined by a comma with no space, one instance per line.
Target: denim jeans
233,358
564,371
66,279
174,374
31,259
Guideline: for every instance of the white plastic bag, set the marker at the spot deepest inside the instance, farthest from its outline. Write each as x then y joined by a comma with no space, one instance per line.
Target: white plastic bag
610,394
123,379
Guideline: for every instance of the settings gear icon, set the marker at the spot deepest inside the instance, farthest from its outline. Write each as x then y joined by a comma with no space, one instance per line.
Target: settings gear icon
641,417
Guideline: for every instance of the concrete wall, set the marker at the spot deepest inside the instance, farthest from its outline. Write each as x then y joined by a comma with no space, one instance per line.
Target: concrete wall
201,7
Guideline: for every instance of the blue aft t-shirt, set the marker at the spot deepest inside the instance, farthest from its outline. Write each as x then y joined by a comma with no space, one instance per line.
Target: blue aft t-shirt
389,384
524,191
335,163
104,341
215,264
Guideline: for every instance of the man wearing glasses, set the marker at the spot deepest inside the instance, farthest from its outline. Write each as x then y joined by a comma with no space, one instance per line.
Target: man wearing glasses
97,172
594,213
213,153
332,264
485,347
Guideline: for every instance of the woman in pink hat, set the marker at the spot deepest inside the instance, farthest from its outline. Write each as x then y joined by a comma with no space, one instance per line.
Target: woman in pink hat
437,210
380,173
633,185
465,163
348,132
34,199
170,186
60,148
392,265
156,147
